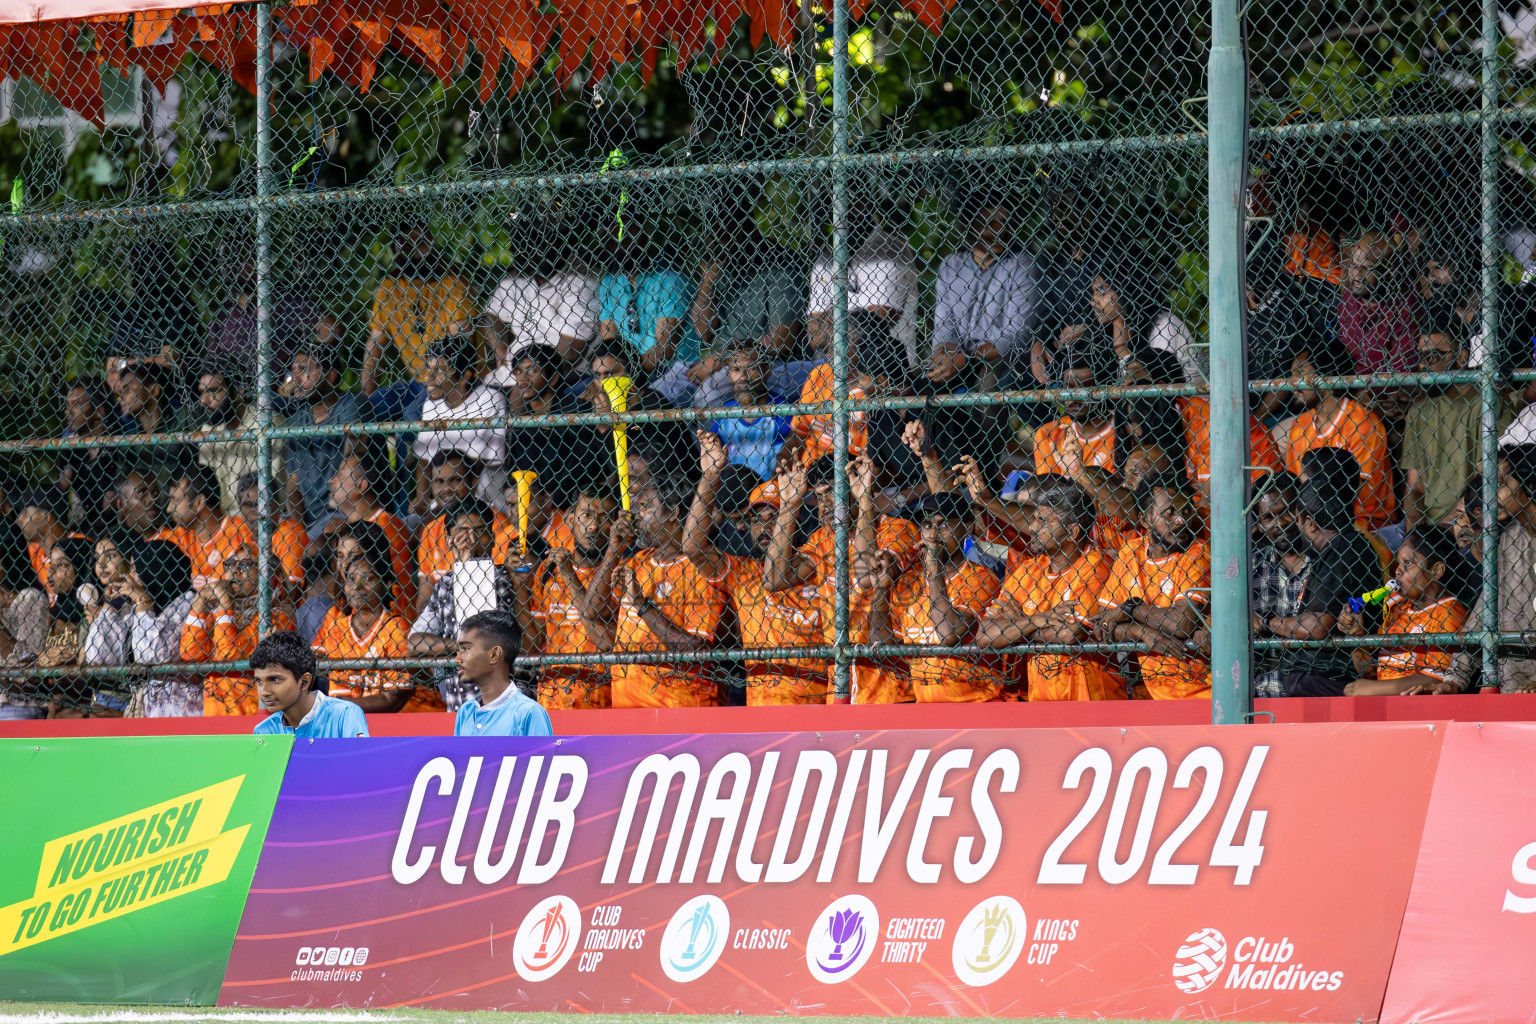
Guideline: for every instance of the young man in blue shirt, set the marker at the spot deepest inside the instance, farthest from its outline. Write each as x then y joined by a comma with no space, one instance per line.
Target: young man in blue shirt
487,644
284,666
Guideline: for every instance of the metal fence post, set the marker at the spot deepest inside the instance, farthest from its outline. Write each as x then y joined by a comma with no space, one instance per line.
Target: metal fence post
1492,258
840,343
1231,650
264,516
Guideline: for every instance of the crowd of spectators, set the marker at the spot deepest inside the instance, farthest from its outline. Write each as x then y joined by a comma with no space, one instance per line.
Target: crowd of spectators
1036,521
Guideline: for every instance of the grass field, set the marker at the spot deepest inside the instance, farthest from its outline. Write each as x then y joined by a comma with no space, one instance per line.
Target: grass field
72,1013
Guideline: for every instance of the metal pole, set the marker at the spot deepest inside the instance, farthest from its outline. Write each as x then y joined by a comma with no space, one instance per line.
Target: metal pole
264,517
1492,257
1231,653
840,346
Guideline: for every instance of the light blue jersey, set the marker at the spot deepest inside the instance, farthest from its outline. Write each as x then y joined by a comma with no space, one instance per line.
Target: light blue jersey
511,714
330,718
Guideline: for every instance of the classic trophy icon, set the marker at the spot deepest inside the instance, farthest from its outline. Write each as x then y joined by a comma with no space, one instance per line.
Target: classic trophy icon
696,924
547,928
844,926
991,921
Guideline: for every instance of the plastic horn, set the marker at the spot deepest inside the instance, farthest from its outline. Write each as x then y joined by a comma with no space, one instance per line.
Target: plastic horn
1372,597
617,389
524,479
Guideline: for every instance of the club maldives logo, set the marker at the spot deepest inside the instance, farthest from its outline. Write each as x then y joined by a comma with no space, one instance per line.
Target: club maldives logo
547,938
695,938
842,939
1199,961
989,940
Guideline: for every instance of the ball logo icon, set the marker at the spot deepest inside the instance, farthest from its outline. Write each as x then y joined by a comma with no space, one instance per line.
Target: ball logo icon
1200,960
842,938
547,938
695,938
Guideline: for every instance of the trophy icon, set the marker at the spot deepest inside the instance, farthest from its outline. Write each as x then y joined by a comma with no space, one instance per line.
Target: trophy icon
696,924
991,921
844,925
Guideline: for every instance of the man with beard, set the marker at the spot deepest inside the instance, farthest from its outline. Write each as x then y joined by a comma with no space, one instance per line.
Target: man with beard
1442,433
222,405
205,534
288,537
452,475
1334,420
140,514
142,395
1379,315
420,299
1155,589
1281,560
89,472
1090,423
311,388
1047,599
985,296
557,593
788,618
653,601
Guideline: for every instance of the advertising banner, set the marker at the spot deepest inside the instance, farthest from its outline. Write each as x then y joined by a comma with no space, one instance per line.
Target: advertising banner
1177,872
1469,933
126,863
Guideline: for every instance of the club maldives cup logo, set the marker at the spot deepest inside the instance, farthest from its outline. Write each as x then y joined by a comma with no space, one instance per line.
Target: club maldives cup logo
842,939
695,938
1199,961
547,938
989,940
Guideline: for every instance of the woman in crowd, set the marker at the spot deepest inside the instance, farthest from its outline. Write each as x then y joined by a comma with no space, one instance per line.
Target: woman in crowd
221,626
156,594
362,627
24,621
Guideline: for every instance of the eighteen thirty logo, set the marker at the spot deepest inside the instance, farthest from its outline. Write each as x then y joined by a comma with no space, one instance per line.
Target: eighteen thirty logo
842,939
695,938
989,940
547,938
1200,960
109,870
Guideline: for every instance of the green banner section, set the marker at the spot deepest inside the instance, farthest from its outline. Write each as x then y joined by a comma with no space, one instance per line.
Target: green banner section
126,862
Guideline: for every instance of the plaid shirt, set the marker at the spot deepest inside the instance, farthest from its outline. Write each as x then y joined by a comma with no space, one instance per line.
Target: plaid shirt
1276,594
437,618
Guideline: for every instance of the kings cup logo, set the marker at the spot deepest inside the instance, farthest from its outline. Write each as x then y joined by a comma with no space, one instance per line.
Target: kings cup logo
695,938
547,938
1199,961
989,940
842,938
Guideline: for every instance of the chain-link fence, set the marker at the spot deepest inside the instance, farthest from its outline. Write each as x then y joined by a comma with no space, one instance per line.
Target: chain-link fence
761,353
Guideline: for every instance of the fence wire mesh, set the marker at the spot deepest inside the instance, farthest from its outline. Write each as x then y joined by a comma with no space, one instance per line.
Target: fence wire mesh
534,309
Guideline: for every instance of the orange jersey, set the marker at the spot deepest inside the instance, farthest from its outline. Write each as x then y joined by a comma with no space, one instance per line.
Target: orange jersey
1444,616
694,603
229,538
1161,583
1360,431
817,428
898,535
1311,253
1098,448
221,639
386,638
883,681
1036,590
558,610
790,618
1196,410
289,540
1111,533
948,680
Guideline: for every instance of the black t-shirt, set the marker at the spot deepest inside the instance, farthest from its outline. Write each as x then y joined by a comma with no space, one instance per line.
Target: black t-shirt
1346,568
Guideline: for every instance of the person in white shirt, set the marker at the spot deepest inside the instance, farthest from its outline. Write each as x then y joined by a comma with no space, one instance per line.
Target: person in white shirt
882,278
553,306
985,295
453,393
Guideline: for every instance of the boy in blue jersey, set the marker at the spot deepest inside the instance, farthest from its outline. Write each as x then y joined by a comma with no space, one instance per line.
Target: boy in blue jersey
284,666
487,644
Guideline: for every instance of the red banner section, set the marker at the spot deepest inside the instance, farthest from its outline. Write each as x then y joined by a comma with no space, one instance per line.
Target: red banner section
1469,934
1182,872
